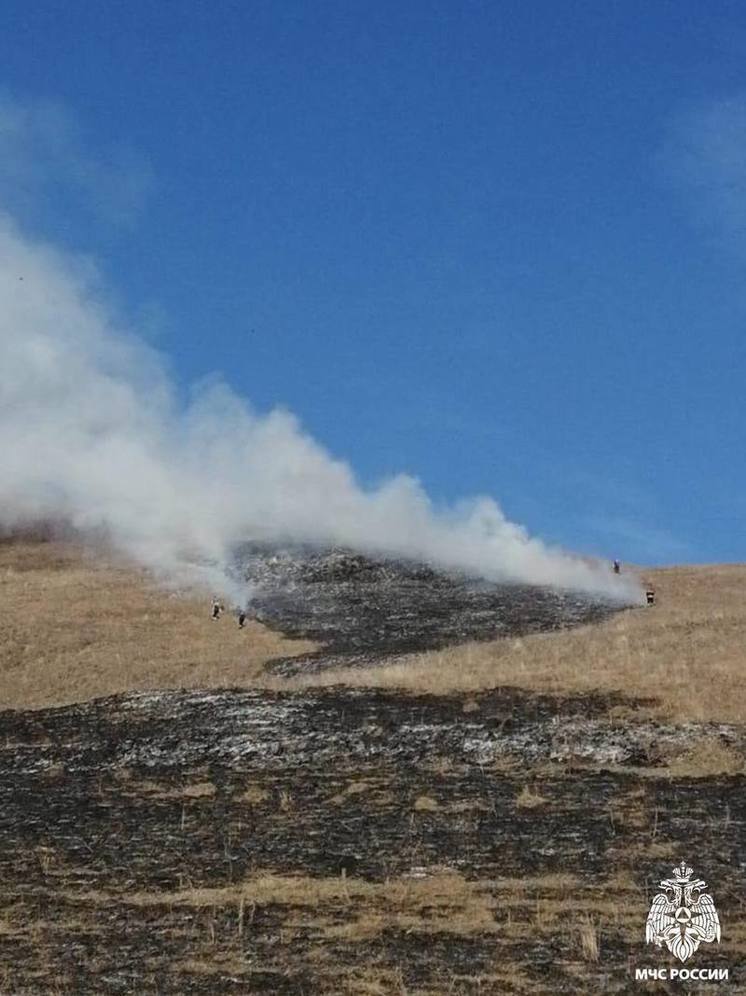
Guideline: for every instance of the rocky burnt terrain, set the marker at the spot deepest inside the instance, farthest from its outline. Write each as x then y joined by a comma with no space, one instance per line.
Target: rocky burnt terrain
362,610
347,841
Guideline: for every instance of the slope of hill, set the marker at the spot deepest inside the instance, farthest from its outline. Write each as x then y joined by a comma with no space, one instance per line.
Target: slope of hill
75,627
686,655
492,818
362,611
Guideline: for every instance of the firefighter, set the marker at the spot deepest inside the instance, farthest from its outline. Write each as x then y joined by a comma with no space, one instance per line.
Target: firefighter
242,618
217,608
650,595
617,567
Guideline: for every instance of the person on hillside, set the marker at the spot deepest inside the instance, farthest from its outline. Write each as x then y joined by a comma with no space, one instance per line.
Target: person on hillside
617,567
242,618
217,608
650,595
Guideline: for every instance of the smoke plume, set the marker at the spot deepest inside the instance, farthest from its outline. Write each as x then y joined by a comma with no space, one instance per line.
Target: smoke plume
92,433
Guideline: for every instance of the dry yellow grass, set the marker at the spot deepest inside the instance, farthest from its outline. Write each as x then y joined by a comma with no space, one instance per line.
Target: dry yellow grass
706,758
688,652
344,920
74,627
529,798
441,890
426,804
589,941
440,894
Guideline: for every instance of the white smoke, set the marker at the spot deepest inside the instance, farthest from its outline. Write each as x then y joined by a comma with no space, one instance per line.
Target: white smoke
91,433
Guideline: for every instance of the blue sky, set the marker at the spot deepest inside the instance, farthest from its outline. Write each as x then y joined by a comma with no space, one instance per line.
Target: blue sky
500,246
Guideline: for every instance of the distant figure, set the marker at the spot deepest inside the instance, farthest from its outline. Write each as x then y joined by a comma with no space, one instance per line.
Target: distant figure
617,567
650,595
241,619
216,608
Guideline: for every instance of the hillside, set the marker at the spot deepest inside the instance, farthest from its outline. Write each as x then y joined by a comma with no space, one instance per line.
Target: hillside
76,627
489,818
686,656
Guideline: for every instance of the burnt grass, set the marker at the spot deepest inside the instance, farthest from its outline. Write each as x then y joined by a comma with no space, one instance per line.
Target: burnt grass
156,794
363,609
414,844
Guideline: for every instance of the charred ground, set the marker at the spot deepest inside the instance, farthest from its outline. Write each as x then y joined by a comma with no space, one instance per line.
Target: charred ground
358,841
363,610
348,842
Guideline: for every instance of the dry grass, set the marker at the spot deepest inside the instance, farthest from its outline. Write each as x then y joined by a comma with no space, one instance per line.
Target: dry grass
254,795
349,932
529,798
426,804
442,889
74,628
707,758
589,941
688,651
441,900
152,790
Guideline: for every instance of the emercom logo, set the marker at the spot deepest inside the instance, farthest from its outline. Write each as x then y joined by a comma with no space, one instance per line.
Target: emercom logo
682,915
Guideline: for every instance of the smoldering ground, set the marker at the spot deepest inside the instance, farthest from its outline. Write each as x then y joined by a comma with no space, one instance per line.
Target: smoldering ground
363,611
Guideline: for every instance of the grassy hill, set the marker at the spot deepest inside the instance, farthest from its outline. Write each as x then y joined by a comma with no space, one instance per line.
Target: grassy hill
76,627
688,652
491,818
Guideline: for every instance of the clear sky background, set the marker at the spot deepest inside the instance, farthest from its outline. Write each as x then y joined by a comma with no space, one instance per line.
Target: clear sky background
498,245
